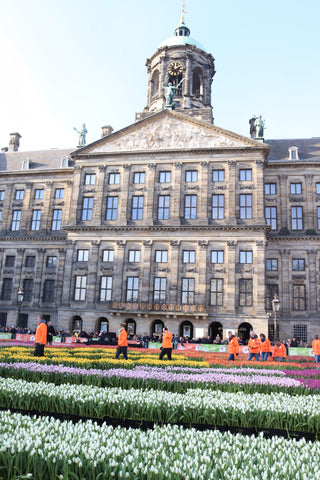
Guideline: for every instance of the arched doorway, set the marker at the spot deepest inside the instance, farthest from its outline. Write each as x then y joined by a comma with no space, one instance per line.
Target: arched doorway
131,327
156,328
244,330
186,329
215,328
102,325
76,324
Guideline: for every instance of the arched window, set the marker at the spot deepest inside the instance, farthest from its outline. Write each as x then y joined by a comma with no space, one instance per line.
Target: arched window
155,83
76,324
102,325
186,329
131,327
244,330
215,328
156,328
197,89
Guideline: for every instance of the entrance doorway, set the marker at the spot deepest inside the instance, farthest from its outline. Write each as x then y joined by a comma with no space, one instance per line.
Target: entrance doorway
186,329
215,328
244,330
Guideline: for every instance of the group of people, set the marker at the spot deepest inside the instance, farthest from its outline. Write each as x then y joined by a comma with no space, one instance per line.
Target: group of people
262,347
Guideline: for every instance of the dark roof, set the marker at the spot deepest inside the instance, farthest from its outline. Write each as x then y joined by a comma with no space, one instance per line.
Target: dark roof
308,149
39,159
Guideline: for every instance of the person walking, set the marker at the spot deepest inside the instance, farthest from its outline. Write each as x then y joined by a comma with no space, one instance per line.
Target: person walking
41,337
166,348
316,348
279,351
254,347
122,341
50,332
233,346
265,347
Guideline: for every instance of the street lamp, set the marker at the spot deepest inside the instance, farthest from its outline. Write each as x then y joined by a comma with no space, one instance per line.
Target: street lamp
275,307
20,296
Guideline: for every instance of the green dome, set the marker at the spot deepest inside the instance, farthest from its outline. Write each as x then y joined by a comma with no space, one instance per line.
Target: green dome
181,41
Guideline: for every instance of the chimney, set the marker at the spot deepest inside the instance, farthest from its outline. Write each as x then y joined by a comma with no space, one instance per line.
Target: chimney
106,131
14,142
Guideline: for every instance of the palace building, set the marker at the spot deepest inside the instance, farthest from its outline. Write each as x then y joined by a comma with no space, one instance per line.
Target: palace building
169,221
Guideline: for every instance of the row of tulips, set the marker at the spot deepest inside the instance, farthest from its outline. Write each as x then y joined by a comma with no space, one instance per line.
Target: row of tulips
172,379
279,411
50,449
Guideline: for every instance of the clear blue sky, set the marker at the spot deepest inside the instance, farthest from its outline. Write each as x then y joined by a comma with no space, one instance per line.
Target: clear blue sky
65,62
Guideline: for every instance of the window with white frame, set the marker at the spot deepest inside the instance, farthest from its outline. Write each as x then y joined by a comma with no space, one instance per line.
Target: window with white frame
318,217
216,291
56,219
272,264
270,188
87,208
16,217
217,207
271,217
165,177
105,289
137,208
112,208
245,256
19,195
132,289
139,177
2,195
51,261
189,256
191,175
80,287
163,207
317,189
134,256
35,221
159,290
245,206
83,256
190,207
245,174
114,178
245,292
298,265
218,175
59,193
299,297
217,256
188,286
108,255
161,256
38,193
297,218
296,188
90,179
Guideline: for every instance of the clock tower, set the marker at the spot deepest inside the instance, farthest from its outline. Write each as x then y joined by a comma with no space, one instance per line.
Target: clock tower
183,62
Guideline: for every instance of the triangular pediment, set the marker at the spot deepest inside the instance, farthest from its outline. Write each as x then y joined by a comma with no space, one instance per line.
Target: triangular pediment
169,131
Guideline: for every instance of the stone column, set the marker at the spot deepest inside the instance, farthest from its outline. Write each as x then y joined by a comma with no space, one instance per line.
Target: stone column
231,182
149,195
284,213
97,209
75,195
93,280
259,277
177,201
258,202
312,297
309,214
173,292
284,293
60,275
118,294
17,280
146,288
123,208
203,212
38,278
230,289
66,293
202,277
26,214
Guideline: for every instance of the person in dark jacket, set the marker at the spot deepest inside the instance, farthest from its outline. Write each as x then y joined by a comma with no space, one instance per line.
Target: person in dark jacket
50,332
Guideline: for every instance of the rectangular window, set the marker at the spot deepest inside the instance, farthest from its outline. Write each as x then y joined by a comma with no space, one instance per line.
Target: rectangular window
317,190
245,174
300,331
163,207
51,262
245,292
108,256
38,194
217,207
19,195
35,221
297,218
59,193
271,291
318,216
48,291
217,256
114,178
80,287
298,265
270,188
10,261
139,177
56,219
2,195
299,297
90,179
189,256
3,319
271,217
245,256
6,292
137,208
87,208
30,261
218,175
132,289
165,177
246,206
159,291
105,289
191,176
0,214
83,255
16,217
190,207
161,256
295,188
27,289
134,256
216,291
188,290
272,264
112,208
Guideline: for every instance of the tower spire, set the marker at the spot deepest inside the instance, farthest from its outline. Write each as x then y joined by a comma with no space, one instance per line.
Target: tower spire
183,11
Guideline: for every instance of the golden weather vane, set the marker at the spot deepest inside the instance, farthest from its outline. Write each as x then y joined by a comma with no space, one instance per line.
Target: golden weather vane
183,11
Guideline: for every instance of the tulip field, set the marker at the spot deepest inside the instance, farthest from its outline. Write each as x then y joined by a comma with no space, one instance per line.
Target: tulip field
78,413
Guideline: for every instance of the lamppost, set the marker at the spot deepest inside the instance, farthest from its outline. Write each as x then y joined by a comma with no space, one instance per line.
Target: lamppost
20,296
275,307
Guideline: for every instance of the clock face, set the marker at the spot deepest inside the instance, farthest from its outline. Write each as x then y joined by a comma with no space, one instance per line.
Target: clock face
175,68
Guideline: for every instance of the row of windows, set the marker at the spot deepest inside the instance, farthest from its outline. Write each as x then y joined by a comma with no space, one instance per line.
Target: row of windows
299,301
297,217
38,194
30,261
295,188
298,264
35,220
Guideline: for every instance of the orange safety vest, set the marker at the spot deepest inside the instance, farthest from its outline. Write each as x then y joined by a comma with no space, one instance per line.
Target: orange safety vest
254,345
41,333
122,338
265,346
167,340
279,351
233,347
316,347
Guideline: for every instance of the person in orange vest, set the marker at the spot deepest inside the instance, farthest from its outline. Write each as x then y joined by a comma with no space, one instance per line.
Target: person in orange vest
254,347
279,351
166,348
265,347
122,341
233,346
316,348
41,337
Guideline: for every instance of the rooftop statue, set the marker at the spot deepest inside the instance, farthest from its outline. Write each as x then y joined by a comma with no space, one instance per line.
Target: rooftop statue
169,93
259,124
82,135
